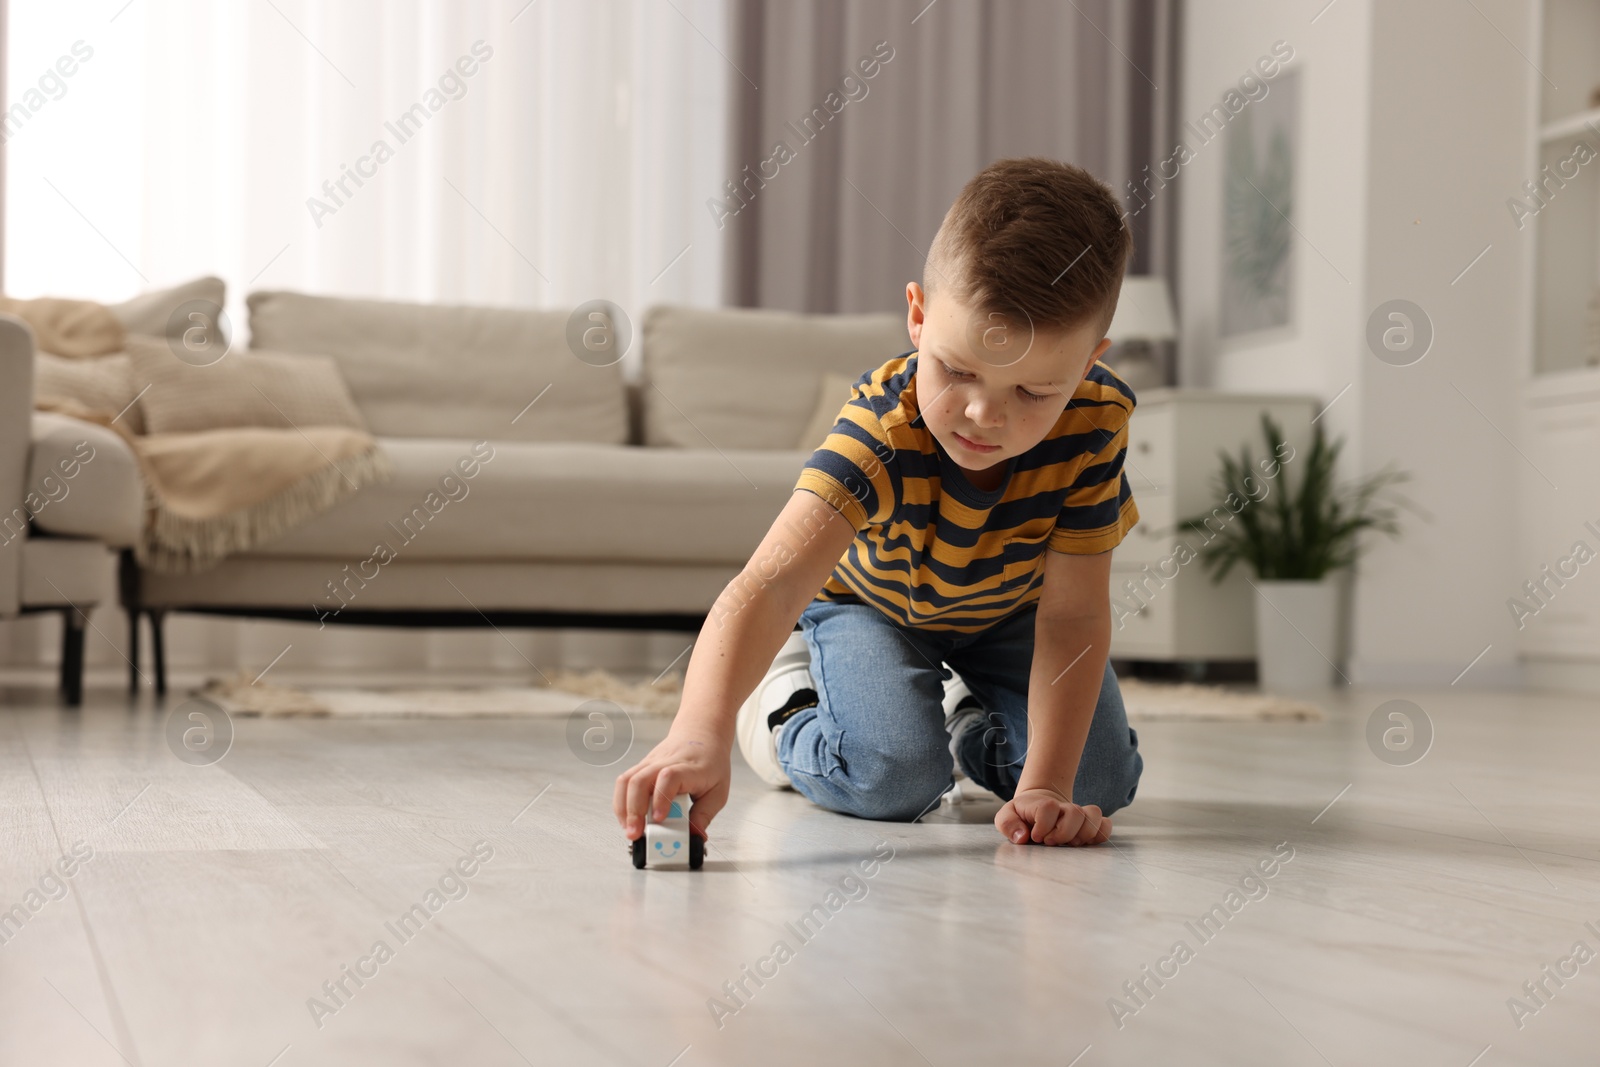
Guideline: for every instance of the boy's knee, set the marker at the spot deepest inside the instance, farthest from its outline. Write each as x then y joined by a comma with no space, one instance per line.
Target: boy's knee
1114,792
895,809
901,806
895,790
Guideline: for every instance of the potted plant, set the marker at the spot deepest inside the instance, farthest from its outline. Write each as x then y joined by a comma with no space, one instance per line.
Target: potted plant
1289,521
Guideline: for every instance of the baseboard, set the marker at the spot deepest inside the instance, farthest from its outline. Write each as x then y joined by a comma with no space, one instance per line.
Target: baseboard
1382,674
1564,676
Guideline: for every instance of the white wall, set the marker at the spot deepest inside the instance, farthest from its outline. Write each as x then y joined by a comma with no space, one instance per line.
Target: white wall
1223,40
1451,99
1413,133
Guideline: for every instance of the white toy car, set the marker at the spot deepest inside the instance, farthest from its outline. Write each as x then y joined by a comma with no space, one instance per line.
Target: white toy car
670,843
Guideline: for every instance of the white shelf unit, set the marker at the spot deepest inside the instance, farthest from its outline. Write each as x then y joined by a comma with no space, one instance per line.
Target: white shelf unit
1560,495
1566,237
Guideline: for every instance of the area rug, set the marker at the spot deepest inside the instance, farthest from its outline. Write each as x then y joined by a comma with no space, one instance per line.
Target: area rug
1145,701
1162,701
567,690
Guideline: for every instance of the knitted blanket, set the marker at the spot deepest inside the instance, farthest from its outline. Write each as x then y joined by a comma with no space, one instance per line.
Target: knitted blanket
210,493
213,493
76,329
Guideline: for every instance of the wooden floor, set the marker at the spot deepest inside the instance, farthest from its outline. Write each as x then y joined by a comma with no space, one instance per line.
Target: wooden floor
218,900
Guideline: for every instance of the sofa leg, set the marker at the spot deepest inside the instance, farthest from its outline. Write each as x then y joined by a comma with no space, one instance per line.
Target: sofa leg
133,651
128,587
158,647
72,628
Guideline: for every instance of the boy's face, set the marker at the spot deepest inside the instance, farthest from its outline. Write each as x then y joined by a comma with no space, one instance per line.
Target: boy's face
988,389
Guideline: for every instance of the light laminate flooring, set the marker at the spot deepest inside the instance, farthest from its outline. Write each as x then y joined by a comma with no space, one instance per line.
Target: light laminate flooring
218,900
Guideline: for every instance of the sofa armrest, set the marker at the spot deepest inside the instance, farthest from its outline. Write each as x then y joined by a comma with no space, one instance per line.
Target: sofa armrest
83,481
16,429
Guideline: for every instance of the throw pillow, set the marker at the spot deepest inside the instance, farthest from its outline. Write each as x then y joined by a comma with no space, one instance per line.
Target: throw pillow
102,383
833,395
254,388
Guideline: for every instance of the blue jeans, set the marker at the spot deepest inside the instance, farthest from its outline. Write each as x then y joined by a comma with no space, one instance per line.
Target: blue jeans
875,744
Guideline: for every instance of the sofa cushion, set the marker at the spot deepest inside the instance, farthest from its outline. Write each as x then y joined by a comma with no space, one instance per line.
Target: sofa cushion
548,501
148,313
463,586
742,378
441,371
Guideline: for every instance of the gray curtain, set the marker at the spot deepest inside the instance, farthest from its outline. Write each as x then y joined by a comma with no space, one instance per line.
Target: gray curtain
843,219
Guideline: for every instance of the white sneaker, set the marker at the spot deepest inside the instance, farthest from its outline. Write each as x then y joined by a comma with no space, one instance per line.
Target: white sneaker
961,711
758,735
967,791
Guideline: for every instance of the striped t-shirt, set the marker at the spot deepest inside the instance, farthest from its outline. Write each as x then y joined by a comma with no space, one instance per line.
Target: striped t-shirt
932,551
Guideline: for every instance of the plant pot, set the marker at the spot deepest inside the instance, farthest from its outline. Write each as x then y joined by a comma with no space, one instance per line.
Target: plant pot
1297,630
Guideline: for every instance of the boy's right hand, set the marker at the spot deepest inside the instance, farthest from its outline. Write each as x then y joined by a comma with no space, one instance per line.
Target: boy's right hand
682,763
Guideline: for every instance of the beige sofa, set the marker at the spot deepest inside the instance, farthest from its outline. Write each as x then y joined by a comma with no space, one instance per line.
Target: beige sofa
593,501
69,491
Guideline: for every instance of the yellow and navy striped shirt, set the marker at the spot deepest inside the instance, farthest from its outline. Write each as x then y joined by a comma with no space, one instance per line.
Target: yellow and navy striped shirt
932,551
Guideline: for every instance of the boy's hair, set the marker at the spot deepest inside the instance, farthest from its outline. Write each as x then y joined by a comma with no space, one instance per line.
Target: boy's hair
1033,240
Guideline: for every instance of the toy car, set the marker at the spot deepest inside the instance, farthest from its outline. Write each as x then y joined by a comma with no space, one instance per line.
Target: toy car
670,843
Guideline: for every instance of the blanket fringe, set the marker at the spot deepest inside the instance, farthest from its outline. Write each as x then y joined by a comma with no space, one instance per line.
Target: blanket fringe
171,544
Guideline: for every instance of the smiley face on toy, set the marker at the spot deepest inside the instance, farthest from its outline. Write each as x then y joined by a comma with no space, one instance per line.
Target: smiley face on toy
663,844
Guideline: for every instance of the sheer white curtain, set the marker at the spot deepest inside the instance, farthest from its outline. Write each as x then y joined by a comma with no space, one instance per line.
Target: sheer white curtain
555,151
571,163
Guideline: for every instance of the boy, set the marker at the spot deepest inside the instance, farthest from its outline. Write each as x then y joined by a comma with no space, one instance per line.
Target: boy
962,511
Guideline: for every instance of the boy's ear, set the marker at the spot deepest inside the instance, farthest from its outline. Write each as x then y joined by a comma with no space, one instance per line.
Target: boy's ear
916,312
1099,350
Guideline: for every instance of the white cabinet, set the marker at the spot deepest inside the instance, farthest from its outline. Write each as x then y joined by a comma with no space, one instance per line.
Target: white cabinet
1559,629
1164,608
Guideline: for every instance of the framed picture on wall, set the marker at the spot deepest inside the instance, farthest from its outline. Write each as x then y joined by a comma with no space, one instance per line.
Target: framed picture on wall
1258,211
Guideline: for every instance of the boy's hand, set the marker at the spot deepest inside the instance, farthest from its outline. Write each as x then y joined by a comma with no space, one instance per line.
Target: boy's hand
1046,817
693,764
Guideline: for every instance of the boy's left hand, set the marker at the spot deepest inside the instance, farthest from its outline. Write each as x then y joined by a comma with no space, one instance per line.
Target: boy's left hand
1046,817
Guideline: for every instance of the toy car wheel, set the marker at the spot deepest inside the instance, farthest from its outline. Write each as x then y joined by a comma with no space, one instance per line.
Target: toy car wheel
697,851
638,852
